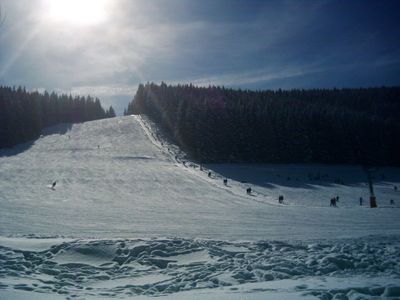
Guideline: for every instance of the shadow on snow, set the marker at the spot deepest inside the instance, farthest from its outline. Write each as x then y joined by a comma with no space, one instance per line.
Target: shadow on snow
22,147
301,176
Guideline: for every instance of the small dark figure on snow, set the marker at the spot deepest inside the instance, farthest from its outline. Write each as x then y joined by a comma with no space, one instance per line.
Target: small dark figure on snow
53,186
337,199
280,199
333,202
225,181
395,188
248,191
361,201
391,202
209,174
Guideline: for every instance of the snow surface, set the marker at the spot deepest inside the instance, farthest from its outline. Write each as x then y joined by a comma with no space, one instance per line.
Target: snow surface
155,267
130,215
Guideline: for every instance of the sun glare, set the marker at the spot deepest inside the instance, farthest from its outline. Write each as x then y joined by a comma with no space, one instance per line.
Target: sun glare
77,12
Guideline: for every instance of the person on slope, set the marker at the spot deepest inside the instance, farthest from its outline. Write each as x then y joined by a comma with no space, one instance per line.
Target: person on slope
53,186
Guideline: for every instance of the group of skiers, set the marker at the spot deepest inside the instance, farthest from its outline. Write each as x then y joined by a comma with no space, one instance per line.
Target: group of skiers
334,201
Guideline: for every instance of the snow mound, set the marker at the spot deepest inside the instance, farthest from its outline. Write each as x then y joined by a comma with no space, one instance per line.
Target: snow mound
154,267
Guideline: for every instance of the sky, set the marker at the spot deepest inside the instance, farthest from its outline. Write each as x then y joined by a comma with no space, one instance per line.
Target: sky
105,48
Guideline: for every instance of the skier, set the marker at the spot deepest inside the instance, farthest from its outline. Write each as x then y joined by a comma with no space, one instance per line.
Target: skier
280,199
209,174
53,186
395,188
248,191
361,201
225,181
391,202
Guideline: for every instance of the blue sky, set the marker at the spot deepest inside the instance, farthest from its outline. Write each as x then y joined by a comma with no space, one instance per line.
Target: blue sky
236,43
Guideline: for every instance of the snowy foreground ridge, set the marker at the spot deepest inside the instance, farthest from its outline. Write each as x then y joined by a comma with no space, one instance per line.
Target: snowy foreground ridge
130,217
109,268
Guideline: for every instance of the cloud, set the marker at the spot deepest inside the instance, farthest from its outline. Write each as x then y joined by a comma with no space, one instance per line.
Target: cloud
103,91
241,43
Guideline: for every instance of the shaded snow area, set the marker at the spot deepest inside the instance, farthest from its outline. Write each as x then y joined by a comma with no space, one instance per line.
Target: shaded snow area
131,216
155,267
313,185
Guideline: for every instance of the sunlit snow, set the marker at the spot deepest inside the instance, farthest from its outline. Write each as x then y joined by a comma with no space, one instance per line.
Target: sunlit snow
131,216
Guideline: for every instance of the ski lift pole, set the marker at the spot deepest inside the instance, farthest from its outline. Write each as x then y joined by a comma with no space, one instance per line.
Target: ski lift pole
372,198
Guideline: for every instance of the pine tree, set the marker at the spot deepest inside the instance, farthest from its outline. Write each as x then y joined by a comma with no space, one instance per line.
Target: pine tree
215,124
23,114
110,113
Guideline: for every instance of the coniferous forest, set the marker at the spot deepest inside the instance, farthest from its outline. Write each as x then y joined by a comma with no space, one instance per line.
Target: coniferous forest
23,114
217,124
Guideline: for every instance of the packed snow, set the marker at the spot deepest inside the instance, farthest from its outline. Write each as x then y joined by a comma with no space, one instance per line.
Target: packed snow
131,216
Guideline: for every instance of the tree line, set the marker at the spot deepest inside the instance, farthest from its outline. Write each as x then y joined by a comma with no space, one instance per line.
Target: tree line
23,114
217,124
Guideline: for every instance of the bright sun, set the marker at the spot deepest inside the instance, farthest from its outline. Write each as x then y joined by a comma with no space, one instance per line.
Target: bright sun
77,12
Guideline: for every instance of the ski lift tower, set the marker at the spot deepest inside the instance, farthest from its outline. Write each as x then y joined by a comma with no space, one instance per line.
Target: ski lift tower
372,198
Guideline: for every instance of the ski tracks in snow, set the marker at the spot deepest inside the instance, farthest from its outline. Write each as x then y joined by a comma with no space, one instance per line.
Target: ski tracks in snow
164,266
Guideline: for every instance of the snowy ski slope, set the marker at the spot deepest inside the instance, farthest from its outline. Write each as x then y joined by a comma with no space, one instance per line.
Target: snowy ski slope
130,216
130,187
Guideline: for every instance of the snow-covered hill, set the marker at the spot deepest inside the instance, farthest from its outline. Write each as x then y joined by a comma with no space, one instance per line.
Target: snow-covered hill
128,216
